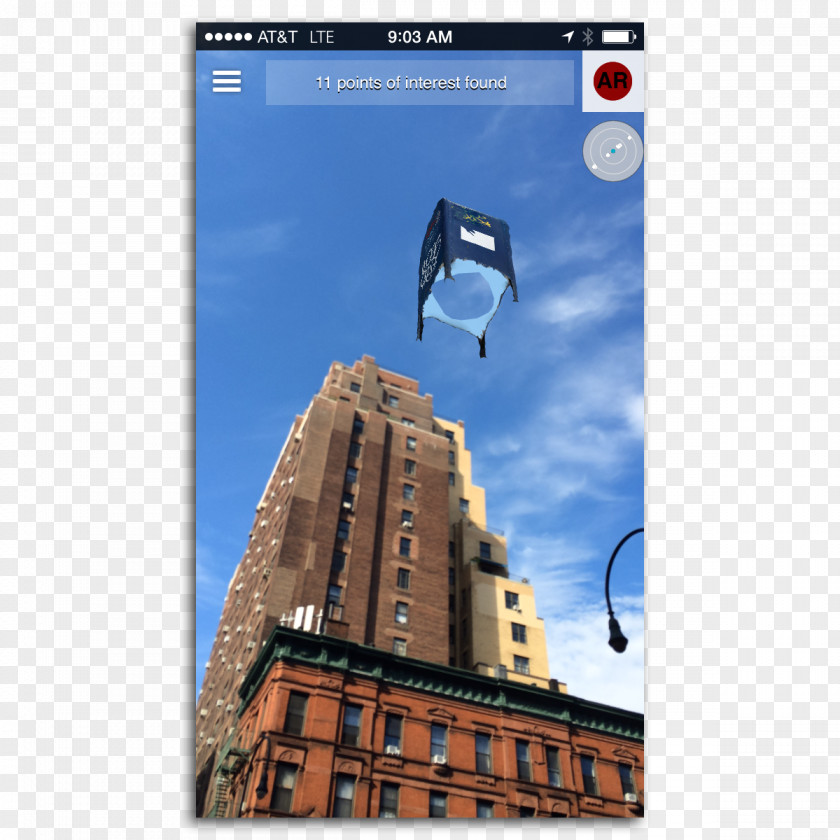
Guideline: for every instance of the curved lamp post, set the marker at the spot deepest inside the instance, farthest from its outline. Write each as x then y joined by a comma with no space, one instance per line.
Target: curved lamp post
262,787
618,642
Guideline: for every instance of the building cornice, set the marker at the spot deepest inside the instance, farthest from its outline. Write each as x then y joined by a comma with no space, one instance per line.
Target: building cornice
335,655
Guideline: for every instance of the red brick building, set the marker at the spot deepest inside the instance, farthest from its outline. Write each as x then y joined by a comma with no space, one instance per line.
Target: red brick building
330,728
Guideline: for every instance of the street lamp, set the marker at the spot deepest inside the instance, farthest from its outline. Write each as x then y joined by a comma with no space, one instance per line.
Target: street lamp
618,641
262,787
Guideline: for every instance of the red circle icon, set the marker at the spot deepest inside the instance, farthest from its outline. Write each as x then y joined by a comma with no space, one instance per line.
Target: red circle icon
612,81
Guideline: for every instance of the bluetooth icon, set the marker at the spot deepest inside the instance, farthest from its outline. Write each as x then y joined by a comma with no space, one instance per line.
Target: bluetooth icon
587,36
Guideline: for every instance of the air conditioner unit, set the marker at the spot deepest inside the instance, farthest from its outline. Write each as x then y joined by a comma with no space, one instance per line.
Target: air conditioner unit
438,759
347,505
631,798
407,525
203,712
229,707
392,749
518,609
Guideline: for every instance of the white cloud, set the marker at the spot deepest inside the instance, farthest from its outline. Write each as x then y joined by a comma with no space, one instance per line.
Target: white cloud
240,243
577,239
210,586
579,653
593,297
634,413
575,438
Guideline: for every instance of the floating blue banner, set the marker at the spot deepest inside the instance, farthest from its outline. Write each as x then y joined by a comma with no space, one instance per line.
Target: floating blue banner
459,233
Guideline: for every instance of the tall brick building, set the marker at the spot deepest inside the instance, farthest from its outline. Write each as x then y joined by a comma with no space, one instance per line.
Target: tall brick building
371,535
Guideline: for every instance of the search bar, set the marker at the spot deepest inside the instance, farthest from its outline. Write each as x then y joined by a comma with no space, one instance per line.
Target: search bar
418,82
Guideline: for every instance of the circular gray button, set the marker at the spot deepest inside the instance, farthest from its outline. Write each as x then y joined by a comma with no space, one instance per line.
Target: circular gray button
613,151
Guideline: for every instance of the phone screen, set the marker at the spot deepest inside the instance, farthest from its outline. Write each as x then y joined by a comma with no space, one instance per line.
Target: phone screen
419,417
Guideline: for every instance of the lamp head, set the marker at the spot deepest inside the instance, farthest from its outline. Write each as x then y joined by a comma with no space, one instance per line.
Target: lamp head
262,788
618,641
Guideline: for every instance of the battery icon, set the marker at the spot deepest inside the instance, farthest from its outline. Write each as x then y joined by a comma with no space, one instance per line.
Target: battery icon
618,36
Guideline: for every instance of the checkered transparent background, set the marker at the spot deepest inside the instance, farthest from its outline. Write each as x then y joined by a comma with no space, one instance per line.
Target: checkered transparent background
96,352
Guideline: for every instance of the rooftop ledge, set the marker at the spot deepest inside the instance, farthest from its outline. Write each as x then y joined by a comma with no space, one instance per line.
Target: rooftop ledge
331,654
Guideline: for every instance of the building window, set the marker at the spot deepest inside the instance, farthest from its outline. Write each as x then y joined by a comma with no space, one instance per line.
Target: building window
450,436
411,444
403,579
408,518
438,743
358,426
347,500
512,600
399,647
410,467
464,505
401,615
482,753
484,551
451,479
338,561
452,549
523,761
393,731
284,787
345,788
451,457
343,532
587,769
552,759
524,811
355,450
295,714
437,804
451,626
393,402
388,800
521,664
519,634
451,576
408,492
483,809
405,547
351,475
355,387
351,728
407,421
628,783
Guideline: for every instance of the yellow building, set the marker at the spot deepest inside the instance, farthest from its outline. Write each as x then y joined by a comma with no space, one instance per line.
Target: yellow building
494,626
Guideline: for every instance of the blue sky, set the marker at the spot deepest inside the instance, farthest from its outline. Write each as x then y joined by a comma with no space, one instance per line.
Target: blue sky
309,227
